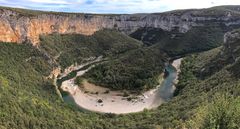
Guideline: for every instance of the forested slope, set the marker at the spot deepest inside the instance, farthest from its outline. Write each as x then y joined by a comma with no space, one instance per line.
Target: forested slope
207,94
68,49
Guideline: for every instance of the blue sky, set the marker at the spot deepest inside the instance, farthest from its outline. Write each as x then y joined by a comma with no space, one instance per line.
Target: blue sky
114,6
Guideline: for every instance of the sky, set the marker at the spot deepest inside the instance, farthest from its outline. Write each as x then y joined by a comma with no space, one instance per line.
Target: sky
114,6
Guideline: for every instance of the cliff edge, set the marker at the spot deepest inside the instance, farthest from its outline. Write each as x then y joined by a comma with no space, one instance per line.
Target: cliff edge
19,25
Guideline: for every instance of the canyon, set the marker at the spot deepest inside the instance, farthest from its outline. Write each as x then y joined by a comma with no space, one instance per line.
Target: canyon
18,25
111,71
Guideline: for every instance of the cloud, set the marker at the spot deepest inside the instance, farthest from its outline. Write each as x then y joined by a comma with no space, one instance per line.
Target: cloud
115,6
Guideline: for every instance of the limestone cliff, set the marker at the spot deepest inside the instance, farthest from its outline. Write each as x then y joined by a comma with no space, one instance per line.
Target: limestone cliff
18,26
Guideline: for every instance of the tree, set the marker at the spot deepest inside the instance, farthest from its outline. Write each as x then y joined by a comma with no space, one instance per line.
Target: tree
78,81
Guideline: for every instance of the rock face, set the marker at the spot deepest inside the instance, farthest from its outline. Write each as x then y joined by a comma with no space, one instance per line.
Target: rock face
232,44
17,26
228,55
232,50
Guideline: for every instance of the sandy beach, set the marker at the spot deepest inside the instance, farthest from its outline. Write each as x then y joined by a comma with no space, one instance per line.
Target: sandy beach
100,99
176,64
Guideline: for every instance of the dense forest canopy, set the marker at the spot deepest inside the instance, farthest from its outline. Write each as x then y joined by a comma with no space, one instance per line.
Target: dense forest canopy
206,96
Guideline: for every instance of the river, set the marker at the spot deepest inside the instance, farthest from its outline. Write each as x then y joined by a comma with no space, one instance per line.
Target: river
113,103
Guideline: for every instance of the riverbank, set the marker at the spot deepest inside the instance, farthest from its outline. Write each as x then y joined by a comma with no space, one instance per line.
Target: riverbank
177,63
100,99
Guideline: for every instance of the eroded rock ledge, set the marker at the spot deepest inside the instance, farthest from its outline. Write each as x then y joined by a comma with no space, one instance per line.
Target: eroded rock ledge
232,44
18,25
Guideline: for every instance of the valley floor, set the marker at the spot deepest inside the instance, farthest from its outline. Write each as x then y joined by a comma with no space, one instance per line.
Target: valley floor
100,99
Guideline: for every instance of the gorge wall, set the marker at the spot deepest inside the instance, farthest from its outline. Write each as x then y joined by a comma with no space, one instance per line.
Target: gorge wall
19,26
231,46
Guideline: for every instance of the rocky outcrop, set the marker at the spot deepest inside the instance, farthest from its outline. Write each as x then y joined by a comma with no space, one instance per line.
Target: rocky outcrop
232,51
232,44
19,27
54,73
228,55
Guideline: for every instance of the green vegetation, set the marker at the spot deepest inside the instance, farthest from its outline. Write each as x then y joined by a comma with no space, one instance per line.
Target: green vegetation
207,94
75,48
175,43
28,100
78,81
139,69
216,11
222,113
35,103
134,70
129,65
71,75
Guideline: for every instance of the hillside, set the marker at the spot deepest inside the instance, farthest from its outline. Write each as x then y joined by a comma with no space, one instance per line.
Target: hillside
135,70
174,43
135,48
193,105
68,49
129,65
